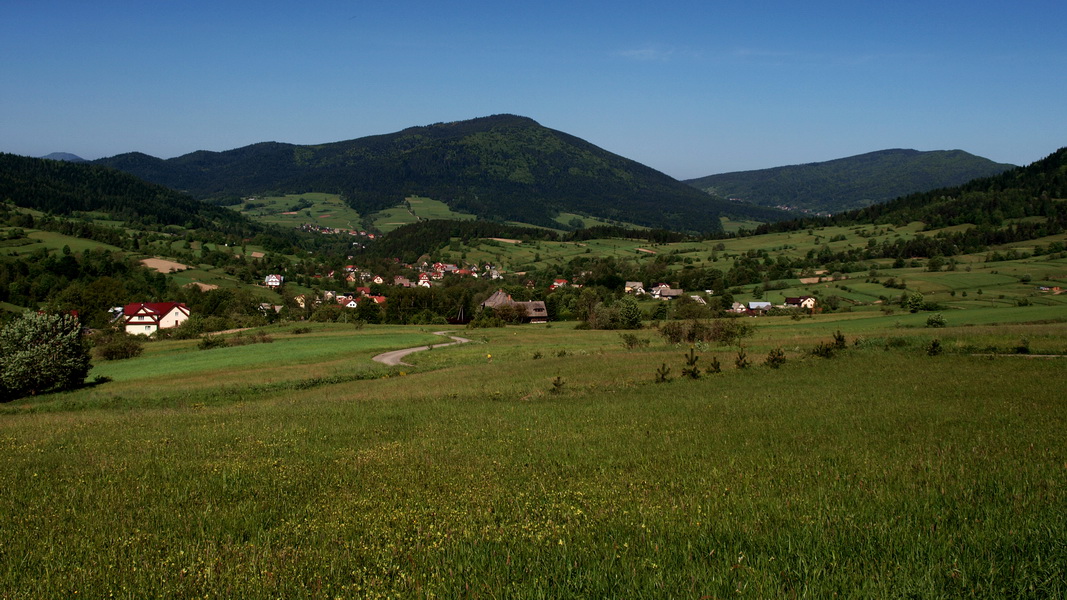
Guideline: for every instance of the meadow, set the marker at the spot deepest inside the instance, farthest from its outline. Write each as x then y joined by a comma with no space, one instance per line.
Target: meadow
545,461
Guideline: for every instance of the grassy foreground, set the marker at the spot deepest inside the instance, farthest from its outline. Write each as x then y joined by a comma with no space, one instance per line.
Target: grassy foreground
879,473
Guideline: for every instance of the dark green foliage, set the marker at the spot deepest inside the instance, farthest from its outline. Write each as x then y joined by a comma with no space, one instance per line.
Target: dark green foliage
117,345
662,373
557,385
936,320
714,366
741,361
630,341
775,358
63,188
839,340
210,342
726,332
502,167
850,183
691,370
41,352
934,348
824,350
300,330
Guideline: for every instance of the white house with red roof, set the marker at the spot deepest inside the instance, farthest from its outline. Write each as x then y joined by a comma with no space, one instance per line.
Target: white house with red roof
146,318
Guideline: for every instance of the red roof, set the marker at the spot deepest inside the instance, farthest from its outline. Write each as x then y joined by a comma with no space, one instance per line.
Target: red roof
158,308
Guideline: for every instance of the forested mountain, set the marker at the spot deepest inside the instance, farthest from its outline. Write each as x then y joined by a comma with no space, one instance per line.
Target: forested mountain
849,183
66,188
502,167
67,156
1023,203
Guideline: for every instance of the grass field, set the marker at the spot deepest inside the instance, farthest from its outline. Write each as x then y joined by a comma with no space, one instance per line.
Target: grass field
545,462
415,209
313,208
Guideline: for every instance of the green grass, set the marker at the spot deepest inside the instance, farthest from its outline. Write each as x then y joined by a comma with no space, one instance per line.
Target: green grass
879,473
413,210
327,210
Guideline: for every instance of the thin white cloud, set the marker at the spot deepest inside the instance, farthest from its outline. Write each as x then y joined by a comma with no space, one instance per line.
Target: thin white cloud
649,52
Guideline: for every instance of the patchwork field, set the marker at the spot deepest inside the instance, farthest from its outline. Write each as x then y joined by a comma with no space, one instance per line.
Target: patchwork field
544,461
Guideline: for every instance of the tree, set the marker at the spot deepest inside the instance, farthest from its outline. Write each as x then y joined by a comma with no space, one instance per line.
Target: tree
41,352
629,313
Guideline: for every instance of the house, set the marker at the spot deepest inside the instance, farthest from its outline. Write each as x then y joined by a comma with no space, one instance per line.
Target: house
805,302
699,300
378,279
666,292
634,287
758,307
536,311
146,318
273,280
401,281
558,283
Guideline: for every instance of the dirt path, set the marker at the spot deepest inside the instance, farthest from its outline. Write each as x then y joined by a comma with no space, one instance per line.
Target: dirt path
393,357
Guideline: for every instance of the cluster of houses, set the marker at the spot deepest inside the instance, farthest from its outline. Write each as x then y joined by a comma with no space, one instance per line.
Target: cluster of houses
313,228
757,308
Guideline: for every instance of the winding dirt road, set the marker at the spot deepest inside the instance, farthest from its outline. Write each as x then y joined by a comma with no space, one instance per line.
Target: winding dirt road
393,357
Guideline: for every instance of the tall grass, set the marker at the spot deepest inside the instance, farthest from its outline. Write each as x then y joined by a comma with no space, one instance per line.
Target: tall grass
879,474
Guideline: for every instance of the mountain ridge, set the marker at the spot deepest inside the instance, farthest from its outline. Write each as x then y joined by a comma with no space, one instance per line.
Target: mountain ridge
851,182
500,167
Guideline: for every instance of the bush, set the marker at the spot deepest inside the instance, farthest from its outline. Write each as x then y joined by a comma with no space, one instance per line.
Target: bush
775,358
118,345
40,353
209,342
823,350
936,320
631,341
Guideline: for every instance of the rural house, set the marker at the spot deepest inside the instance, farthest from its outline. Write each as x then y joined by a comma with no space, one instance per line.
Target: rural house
536,311
805,302
273,281
146,318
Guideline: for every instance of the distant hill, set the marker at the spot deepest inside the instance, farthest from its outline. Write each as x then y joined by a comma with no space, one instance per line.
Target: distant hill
1023,203
66,188
503,167
64,156
1036,190
853,182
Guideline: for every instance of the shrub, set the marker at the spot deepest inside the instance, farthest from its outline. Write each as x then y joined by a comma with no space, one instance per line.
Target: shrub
631,341
300,330
775,358
691,370
41,352
934,348
662,373
714,366
209,342
741,362
936,320
823,350
118,345
839,341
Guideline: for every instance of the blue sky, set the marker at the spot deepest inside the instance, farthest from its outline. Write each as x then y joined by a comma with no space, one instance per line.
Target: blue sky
688,88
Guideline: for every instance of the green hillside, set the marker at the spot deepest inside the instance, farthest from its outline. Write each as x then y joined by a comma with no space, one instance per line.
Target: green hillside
849,183
504,168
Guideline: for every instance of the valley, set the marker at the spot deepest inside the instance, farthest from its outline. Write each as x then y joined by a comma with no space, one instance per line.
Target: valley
863,404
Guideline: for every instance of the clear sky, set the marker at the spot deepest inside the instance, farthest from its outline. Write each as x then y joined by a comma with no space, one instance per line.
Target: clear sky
688,88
